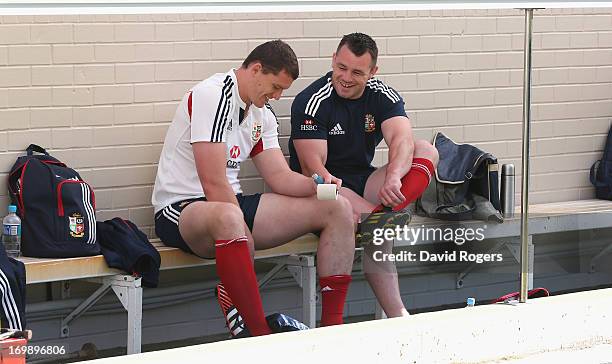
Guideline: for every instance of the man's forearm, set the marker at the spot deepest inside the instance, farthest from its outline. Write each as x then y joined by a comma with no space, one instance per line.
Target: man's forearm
400,158
315,166
220,191
289,183
311,167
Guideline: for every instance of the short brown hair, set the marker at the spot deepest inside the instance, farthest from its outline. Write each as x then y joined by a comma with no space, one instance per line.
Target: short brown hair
274,56
359,43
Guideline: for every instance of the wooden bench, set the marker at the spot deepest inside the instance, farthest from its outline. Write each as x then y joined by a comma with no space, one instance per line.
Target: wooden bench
297,257
294,256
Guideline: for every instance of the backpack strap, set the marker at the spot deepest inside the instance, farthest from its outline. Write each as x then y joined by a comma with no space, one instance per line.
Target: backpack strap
35,148
607,154
593,176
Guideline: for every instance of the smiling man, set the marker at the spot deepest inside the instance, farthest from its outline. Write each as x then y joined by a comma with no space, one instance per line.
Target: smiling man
198,200
336,124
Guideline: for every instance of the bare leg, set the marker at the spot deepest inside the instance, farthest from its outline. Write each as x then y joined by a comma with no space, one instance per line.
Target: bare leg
382,276
200,224
281,218
278,221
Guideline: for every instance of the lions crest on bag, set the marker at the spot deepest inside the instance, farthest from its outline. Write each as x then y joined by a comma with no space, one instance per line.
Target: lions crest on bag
77,226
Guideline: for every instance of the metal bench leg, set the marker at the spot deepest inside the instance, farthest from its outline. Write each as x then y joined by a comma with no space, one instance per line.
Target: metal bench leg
81,308
461,276
129,291
303,269
309,294
514,247
607,250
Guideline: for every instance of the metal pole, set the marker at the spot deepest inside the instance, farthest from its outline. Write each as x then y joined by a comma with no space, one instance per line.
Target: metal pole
525,160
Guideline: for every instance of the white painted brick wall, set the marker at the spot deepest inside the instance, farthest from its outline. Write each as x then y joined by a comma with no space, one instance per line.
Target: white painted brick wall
100,90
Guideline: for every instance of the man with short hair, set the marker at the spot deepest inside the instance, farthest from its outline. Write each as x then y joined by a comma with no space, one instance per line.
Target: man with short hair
336,124
198,200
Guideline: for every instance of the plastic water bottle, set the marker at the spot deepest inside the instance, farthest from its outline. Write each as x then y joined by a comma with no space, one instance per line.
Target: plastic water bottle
11,233
471,301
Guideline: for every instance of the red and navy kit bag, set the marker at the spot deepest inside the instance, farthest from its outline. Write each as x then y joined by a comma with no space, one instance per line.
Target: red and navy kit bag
57,208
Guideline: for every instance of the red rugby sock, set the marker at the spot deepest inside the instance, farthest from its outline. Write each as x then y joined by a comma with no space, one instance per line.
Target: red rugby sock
415,182
235,268
333,295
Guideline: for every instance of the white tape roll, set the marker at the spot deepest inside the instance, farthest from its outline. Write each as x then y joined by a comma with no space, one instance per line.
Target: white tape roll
327,192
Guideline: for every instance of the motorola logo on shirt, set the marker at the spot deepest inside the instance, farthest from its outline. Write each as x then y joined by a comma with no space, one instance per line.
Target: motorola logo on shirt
235,152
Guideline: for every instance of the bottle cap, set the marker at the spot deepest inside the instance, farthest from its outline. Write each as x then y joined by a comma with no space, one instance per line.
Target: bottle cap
471,301
12,208
318,179
508,169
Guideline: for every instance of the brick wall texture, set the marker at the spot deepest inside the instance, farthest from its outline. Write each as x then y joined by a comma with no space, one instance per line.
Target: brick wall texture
99,91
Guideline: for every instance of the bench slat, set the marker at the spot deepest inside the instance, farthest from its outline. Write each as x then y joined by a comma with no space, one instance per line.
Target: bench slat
40,270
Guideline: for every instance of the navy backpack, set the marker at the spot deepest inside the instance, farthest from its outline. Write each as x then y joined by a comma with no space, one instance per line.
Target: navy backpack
57,208
601,172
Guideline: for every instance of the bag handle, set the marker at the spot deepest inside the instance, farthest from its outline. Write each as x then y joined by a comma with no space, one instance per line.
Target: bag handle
486,159
36,148
593,176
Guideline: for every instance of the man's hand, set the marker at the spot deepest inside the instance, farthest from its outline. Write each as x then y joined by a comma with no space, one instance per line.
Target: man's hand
398,136
390,194
329,178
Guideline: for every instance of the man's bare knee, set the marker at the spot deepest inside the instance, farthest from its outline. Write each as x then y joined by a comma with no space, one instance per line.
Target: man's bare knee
342,210
202,223
424,149
227,222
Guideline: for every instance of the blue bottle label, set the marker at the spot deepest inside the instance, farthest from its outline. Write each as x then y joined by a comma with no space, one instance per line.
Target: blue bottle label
10,229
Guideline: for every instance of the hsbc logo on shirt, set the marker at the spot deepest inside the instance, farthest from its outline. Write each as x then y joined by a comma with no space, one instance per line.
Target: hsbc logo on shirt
234,152
308,125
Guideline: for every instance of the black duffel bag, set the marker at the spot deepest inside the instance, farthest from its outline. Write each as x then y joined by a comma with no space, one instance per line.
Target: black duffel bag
466,185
